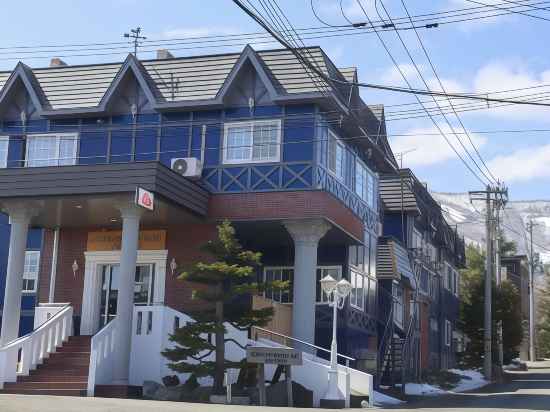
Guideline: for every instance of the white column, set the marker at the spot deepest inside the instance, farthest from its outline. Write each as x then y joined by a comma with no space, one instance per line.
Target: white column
306,235
19,220
125,304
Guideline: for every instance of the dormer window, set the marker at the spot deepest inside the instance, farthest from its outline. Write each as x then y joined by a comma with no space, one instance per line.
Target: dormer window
51,150
4,143
252,142
336,156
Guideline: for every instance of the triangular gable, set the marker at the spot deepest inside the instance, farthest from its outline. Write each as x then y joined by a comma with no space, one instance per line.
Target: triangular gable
31,85
248,55
130,65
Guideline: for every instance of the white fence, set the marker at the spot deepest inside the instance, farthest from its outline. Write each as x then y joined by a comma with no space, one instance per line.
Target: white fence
151,329
25,353
102,356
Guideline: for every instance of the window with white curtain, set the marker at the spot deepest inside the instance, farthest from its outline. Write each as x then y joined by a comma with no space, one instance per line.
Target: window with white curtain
336,156
398,307
51,150
252,142
448,332
365,184
358,285
4,143
30,271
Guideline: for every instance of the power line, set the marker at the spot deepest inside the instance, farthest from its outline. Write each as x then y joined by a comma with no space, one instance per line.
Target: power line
515,12
435,123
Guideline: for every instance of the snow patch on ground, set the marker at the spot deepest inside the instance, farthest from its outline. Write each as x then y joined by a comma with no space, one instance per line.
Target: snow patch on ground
381,399
471,379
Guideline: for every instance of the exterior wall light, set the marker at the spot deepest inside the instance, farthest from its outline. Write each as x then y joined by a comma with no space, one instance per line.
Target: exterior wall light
75,268
173,266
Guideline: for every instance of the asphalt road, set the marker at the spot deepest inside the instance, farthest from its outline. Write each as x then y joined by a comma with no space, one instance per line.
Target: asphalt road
527,391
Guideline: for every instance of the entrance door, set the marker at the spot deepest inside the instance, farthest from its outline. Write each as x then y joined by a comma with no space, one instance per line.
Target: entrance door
143,290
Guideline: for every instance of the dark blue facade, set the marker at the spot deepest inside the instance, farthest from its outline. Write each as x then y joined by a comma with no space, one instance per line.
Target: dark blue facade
28,300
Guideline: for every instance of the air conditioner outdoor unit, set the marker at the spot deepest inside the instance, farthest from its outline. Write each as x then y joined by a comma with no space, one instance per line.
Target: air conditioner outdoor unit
188,166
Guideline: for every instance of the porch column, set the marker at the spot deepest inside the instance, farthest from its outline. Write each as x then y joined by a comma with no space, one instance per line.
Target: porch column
306,235
19,220
125,305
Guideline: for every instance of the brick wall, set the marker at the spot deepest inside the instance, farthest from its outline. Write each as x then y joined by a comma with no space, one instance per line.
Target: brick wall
285,205
183,243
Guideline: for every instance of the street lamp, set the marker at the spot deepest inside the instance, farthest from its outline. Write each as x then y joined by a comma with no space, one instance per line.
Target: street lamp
336,293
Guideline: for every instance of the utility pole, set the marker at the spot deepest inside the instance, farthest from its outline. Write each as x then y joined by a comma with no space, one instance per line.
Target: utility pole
135,35
492,196
532,357
500,202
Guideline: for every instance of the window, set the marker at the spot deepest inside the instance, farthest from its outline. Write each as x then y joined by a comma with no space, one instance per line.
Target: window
336,156
357,295
283,274
448,333
416,241
4,143
322,271
30,271
451,279
398,308
51,150
252,142
361,180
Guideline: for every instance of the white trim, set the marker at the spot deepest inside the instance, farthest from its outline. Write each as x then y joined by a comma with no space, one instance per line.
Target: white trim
58,136
343,146
34,275
92,282
251,124
266,268
4,162
360,307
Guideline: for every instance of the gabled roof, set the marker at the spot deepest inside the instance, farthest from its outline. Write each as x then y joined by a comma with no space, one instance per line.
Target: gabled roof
131,65
250,56
185,82
26,76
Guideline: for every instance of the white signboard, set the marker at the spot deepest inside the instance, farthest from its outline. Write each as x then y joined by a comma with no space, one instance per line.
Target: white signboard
273,356
145,199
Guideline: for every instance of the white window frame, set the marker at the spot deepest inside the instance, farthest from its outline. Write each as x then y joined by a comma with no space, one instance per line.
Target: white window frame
27,275
251,124
58,137
324,300
361,305
281,268
340,174
398,304
4,159
448,332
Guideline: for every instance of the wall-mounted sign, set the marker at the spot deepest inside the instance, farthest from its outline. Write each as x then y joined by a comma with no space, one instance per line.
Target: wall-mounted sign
145,198
111,240
273,356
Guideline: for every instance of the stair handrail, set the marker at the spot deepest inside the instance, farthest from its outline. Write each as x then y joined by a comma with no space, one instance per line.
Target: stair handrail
348,359
383,345
102,352
21,355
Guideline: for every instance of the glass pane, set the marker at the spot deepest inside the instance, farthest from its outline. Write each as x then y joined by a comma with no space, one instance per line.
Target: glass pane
4,152
239,140
67,151
42,151
265,141
142,283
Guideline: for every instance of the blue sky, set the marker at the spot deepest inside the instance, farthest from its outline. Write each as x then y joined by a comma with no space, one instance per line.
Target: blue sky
496,54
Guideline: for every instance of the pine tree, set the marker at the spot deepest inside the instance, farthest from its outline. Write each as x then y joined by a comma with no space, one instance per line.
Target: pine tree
228,278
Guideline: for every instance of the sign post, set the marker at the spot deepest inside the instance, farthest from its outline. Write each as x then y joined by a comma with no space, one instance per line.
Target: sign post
273,356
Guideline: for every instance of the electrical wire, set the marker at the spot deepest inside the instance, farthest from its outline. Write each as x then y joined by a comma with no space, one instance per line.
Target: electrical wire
514,12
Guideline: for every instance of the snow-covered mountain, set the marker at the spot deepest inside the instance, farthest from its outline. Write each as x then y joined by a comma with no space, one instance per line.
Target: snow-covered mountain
471,221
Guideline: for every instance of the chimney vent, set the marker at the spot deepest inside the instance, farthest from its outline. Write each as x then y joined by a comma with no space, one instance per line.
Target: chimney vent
57,62
163,54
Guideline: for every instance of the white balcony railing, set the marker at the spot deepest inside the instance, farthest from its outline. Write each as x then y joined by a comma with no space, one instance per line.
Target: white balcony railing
22,355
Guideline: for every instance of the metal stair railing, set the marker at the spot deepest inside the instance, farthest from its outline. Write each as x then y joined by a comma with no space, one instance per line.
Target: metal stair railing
384,347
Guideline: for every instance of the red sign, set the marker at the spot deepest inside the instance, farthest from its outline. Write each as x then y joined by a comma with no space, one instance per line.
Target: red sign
145,199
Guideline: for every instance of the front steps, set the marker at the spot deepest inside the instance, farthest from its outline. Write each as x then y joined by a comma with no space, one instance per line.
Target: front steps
64,373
